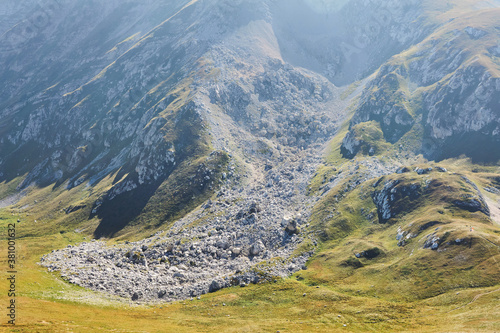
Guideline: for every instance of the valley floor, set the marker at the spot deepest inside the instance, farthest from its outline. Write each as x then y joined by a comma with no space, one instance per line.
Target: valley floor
47,304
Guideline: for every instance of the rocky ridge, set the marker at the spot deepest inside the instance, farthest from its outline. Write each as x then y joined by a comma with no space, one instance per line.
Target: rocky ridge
445,90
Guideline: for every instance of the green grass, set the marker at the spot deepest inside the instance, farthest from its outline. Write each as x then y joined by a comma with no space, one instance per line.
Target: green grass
371,138
349,90
48,304
183,191
332,162
346,222
10,188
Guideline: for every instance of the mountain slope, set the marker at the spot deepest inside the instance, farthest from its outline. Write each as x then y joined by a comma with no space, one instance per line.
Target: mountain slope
212,144
443,90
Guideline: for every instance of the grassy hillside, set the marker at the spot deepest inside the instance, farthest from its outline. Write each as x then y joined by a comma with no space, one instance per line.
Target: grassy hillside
421,243
316,300
350,226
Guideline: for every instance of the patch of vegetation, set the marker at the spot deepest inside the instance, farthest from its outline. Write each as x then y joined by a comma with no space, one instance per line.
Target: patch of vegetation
177,196
367,139
410,262
349,90
352,262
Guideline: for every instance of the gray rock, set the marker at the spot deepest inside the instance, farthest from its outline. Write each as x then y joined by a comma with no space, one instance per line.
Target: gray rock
215,286
257,248
292,228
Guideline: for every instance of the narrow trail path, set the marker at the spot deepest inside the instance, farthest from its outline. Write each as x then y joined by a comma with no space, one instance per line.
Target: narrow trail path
475,299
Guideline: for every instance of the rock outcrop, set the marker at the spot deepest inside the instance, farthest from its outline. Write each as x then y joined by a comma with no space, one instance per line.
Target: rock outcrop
445,90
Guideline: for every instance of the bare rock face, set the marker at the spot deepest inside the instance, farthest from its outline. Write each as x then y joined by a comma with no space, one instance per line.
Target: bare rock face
458,107
474,202
257,248
407,191
291,228
469,115
350,145
390,200
432,242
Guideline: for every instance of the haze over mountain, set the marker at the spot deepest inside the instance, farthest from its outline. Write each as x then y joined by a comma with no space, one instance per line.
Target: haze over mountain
240,141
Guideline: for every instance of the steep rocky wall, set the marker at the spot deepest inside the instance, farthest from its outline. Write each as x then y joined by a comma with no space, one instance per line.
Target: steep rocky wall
449,86
347,42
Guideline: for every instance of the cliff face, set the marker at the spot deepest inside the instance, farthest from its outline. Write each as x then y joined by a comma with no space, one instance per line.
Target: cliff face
347,42
74,96
448,86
